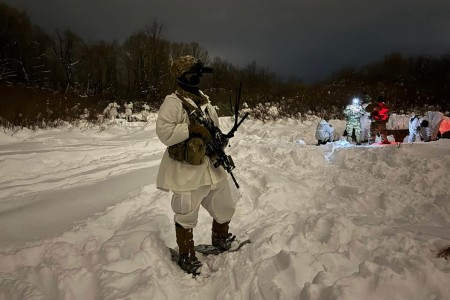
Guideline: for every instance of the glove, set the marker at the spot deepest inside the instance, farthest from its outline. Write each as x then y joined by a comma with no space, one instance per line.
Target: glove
197,130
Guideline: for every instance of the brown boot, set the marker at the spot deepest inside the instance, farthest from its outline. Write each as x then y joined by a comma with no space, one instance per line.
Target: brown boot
187,260
220,237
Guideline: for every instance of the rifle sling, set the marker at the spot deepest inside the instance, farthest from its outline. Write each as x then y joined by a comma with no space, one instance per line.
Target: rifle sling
189,107
186,105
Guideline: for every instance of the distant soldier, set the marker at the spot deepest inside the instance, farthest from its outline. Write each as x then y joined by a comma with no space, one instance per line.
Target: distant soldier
324,131
128,111
419,129
366,121
110,111
380,116
146,112
354,112
414,126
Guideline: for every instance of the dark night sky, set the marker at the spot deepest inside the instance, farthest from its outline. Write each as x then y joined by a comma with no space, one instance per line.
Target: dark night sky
307,39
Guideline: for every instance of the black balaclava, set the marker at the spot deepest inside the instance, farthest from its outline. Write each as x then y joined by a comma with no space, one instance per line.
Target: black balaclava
190,82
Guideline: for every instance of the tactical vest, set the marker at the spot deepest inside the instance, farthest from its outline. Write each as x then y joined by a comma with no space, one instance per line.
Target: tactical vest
193,149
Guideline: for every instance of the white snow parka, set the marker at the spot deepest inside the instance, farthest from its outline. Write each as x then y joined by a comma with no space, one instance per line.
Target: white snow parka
172,128
324,131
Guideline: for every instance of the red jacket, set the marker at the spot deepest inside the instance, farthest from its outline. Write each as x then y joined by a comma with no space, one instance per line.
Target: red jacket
380,112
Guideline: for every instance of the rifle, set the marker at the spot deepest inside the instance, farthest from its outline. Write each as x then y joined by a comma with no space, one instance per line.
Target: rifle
219,140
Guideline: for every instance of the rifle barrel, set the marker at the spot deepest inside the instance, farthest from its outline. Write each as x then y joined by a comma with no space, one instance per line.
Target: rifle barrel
234,179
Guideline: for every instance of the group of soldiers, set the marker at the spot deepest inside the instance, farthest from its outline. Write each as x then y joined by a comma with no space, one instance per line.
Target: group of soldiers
365,122
111,111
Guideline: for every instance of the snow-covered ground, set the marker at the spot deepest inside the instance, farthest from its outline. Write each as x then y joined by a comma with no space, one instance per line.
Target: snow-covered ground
80,218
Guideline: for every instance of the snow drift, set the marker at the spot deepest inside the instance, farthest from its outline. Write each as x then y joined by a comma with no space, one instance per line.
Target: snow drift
80,218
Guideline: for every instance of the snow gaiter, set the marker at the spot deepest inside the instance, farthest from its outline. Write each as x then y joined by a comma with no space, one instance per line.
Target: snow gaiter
185,241
187,260
220,236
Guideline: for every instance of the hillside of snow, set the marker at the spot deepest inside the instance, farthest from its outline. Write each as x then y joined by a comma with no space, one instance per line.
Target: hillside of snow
81,218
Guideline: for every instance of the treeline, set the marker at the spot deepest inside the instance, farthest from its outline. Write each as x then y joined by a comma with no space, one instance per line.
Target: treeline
138,70
407,82
63,61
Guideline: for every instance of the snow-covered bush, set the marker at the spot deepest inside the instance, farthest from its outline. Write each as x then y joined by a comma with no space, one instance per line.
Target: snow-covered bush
265,112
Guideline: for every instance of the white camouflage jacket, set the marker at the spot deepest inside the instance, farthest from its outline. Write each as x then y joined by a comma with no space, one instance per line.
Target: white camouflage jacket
324,131
172,128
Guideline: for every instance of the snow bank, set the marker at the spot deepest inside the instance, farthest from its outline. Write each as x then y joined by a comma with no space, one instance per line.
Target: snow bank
81,218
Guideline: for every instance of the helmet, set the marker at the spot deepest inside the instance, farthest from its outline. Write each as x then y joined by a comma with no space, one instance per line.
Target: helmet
182,65
188,65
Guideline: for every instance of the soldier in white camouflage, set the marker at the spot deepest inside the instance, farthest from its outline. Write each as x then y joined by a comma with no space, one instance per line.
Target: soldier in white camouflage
186,168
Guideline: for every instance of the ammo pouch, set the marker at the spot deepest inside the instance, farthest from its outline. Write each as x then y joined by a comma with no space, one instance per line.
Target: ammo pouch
191,151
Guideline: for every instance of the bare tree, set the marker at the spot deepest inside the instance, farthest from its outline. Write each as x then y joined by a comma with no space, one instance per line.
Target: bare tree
158,54
146,59
5,70
98,69
65,47
134,56
193,48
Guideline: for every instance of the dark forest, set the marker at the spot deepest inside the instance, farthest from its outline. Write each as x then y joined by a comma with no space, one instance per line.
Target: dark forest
59,72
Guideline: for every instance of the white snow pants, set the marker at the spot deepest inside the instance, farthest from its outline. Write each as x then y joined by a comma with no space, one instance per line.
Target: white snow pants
216,199
365,128
413,136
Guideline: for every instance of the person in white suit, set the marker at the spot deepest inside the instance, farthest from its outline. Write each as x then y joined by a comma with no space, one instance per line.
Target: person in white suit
187,170
128,111
324,132
365,121
419,129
